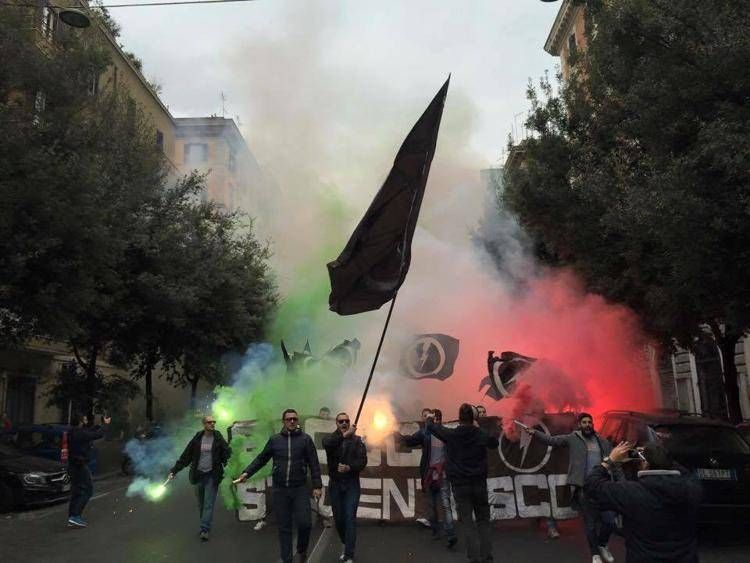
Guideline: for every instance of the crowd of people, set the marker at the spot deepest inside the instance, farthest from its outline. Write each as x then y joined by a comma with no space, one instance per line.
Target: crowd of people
658,510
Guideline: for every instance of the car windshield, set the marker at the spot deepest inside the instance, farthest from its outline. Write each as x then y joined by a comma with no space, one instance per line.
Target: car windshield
695,439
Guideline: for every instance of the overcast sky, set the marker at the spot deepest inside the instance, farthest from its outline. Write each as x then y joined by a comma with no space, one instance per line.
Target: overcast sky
347,55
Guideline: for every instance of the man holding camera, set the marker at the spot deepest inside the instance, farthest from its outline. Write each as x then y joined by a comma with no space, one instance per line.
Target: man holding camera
660,509
586,450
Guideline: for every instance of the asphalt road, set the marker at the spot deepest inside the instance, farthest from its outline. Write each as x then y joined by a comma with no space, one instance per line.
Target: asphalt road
133,530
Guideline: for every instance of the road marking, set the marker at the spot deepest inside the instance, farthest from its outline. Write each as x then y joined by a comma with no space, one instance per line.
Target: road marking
317,544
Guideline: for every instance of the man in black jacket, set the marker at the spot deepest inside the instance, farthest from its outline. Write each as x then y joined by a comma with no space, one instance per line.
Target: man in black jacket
293,453
347,456
80,438
467,472
660,509
207,453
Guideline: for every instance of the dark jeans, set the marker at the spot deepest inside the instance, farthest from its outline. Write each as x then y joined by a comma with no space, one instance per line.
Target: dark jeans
81,487
599,524
205,491
344,503
471,499
441,497
292,505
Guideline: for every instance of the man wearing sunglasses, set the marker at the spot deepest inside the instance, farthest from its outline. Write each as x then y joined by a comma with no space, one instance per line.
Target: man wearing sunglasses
293,453
347,456
206,454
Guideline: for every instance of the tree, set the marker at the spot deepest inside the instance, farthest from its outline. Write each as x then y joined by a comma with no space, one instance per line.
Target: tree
638,172
198,287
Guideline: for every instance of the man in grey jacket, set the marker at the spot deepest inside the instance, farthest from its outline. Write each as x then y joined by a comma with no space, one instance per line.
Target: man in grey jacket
586,450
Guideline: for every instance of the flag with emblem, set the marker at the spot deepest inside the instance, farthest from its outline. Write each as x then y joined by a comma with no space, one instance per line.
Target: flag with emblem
429,356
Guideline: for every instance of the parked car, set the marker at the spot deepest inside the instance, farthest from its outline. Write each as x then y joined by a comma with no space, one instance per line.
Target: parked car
711,449
49,440
27,480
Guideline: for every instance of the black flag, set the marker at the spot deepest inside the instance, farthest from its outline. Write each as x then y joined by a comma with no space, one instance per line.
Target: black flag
502,373
374,263
430,356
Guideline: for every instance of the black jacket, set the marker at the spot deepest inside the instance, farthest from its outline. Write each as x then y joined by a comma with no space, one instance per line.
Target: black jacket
466,450
292,453
660,513
349,451
220,454
79,442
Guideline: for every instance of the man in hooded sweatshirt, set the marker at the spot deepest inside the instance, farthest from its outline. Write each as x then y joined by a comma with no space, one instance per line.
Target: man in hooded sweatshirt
660,509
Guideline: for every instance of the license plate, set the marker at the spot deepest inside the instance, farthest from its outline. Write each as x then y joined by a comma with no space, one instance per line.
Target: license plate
66,488
716,474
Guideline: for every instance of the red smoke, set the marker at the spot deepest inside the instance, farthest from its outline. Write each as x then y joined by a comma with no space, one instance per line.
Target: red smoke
592,353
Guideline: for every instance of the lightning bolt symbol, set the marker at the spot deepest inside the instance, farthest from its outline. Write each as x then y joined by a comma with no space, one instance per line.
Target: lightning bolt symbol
525,442
425,355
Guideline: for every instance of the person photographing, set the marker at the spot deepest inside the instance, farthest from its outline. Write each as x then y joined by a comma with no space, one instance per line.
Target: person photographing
659,510
293,453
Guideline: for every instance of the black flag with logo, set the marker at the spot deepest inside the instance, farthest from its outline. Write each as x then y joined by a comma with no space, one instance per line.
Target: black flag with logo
502,372
375,261
429,356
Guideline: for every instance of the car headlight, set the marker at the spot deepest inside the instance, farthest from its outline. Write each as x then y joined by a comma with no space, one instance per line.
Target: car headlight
34,479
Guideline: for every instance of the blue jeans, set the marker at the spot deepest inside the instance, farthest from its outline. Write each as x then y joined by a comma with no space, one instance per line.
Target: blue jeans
292,505
441,496
205,491
599,524
81,487
344,503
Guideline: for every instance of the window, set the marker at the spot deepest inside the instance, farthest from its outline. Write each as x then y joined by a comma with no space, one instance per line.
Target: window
232,160
48,23
94,83
196,153
160,139
611,428
572,45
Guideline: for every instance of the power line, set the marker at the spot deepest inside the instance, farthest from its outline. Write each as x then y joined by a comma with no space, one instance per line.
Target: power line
133,5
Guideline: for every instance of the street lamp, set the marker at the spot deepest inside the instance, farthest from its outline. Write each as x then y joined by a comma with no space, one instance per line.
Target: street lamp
74,18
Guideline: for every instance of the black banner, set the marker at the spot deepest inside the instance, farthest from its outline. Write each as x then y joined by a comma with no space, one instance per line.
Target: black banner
526,479
430,356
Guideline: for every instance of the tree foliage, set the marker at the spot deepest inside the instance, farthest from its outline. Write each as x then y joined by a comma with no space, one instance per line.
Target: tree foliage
101,246
638,172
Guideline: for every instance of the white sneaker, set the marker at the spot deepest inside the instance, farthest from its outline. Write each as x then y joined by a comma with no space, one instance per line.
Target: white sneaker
260,525
596,559
425,522
606,554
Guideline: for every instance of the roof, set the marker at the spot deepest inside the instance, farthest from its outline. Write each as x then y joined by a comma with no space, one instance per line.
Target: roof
555,38
210,127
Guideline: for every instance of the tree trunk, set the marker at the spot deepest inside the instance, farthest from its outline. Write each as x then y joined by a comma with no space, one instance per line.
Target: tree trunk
149,394
731,384
91,383
193,391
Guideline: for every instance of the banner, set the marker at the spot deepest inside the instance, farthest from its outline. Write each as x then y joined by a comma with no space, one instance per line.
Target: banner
523,482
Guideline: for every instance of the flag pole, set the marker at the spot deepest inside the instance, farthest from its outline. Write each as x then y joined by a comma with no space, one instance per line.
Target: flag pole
375,361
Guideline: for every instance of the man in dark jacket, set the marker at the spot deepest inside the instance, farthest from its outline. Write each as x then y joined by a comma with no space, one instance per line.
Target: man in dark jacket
207,453
347,456
586,450
660,509
435,484
80,438
293,453
467,471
